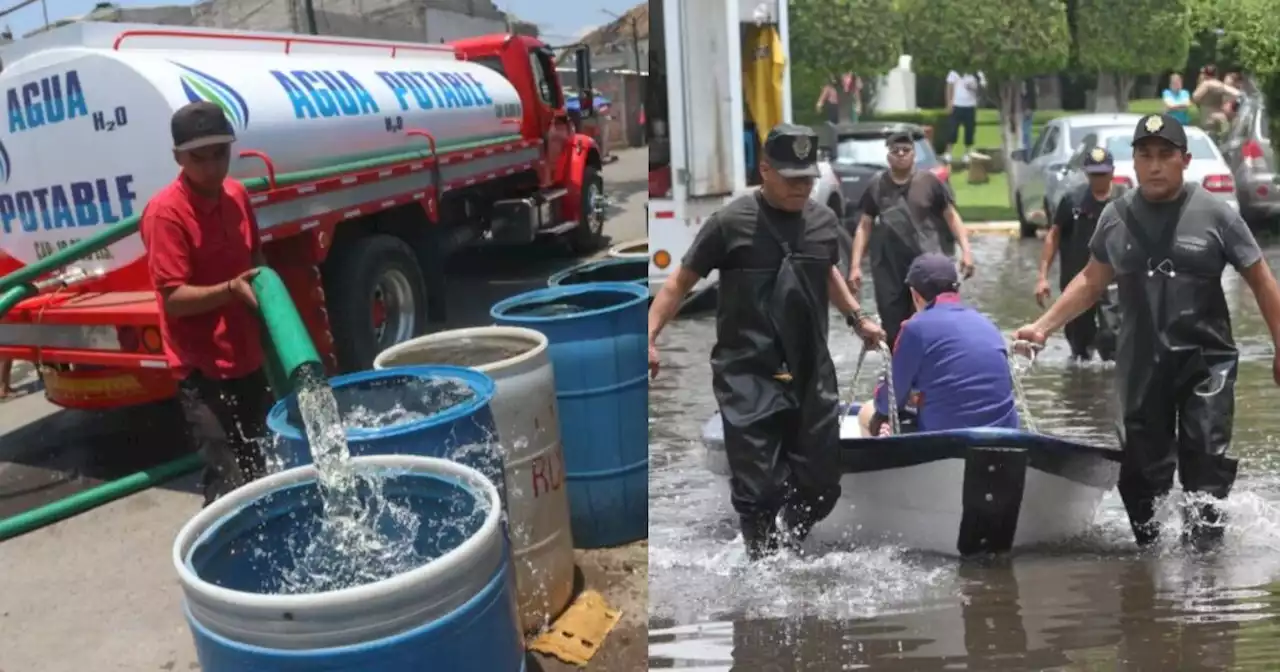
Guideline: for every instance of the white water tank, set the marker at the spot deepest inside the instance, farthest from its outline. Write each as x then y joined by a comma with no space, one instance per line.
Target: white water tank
524,412
88,105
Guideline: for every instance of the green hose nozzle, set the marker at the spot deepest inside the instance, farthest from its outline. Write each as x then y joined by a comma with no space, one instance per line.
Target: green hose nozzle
287,343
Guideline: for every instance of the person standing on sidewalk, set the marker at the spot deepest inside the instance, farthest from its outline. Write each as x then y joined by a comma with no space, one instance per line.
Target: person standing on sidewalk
963,91
203,250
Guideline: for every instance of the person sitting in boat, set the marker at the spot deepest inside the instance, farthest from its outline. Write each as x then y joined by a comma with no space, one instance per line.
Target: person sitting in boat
950,365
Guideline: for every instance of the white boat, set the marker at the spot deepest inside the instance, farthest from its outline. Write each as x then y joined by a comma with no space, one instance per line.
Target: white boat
961,492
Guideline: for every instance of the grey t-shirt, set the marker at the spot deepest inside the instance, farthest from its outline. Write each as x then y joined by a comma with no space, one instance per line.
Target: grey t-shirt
1210,235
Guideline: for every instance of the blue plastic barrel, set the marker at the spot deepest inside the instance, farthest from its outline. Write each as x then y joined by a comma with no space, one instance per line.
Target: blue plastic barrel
598,351
456,612
614,269
450,405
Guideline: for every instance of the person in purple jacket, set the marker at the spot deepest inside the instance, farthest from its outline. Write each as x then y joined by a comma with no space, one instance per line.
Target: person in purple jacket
950,364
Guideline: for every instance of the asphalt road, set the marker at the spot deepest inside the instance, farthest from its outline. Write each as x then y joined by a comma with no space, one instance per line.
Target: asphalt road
98,592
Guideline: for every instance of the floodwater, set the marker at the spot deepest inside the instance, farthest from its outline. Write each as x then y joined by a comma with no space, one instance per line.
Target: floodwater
1092,604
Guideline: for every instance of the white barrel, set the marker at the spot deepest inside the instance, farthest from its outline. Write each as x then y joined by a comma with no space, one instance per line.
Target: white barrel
632,249
524,411
88,142
349,616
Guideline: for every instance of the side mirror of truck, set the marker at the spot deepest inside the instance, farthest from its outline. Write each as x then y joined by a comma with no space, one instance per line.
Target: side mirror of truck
582,61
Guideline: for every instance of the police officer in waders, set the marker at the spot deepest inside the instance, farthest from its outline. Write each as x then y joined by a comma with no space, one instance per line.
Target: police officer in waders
1166,245
777,252
1069,235
904,213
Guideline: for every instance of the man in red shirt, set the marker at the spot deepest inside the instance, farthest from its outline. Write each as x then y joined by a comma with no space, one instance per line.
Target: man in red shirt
202,252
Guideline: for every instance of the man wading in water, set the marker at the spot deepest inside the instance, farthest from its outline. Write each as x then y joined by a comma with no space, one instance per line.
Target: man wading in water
905,213
202,251
1069,235
777,252
1166,245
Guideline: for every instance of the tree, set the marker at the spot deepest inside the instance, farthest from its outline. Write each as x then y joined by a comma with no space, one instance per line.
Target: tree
1131,38
1251,27
1009,41
832,37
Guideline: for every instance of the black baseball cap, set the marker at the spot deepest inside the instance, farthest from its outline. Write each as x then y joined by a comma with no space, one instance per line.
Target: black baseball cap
1099,162
199,125
932,274
792,150
1162,126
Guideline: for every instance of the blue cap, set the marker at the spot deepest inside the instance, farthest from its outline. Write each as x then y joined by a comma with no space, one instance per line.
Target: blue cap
1099,161
932,274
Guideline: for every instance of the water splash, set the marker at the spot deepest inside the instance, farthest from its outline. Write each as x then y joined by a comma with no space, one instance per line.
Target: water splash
364,535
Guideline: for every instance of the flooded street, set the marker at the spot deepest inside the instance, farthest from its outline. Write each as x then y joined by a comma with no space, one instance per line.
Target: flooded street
1093,604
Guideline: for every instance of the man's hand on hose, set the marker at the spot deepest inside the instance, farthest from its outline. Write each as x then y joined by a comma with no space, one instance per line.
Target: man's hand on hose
653,360
241,289
1042,293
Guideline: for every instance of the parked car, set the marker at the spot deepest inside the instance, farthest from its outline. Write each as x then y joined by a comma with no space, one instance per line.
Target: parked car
1248,153
1046,163
1207,168
826,189
857,152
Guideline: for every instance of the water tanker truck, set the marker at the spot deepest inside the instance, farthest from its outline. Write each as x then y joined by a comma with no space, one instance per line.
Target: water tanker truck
368,163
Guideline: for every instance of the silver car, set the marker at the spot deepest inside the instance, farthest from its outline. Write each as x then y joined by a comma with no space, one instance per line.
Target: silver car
1044,166
1248,152
1207,168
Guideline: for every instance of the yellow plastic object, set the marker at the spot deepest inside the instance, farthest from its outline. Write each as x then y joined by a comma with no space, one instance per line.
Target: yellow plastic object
580,631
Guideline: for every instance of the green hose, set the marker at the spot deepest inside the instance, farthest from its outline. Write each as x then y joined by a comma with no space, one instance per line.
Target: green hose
96,496
128,227
287,343
15,295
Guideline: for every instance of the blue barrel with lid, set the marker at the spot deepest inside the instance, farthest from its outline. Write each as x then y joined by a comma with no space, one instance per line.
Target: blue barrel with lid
434,411
597,333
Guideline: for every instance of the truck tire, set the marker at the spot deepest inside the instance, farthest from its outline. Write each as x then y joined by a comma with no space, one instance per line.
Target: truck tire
376,298
586,236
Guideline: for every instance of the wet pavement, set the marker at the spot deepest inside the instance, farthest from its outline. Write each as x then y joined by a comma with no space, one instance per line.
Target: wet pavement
1089,604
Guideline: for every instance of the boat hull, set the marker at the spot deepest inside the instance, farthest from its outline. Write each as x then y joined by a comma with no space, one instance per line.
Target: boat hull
960,493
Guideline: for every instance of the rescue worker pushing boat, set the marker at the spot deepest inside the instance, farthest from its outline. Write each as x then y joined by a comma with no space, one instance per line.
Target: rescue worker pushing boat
1069,234
1166,244
778,254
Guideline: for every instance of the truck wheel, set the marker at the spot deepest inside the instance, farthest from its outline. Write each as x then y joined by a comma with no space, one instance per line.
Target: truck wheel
376,299
585,237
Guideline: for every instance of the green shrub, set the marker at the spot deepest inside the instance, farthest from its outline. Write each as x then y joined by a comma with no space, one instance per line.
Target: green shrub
988,120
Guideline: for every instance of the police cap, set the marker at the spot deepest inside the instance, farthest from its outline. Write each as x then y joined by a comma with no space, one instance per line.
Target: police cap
792,150
1099,162
1162,126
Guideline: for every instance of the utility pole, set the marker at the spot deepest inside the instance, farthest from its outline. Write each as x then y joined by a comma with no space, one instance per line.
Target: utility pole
309,7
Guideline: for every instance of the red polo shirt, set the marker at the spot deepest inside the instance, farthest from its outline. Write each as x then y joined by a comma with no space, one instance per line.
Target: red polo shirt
197,240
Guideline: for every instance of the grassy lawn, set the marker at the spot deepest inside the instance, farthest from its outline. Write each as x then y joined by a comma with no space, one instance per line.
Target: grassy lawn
990,201
985,202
